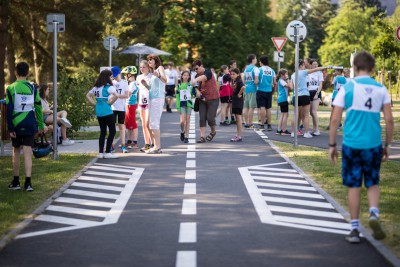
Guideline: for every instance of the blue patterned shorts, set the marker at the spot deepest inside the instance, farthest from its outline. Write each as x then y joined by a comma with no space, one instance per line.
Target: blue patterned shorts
357,163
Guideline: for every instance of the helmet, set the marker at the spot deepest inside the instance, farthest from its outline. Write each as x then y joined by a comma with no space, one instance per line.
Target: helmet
129,70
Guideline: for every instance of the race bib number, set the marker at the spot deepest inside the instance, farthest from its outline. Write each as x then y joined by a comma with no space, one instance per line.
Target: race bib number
313,83
24,103
267,73
185,95
248,77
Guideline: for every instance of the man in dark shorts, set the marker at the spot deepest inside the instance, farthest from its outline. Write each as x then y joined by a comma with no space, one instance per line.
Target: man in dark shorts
172,82
24,117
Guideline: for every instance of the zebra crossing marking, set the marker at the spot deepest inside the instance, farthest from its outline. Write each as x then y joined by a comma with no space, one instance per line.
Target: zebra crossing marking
120,180
282,196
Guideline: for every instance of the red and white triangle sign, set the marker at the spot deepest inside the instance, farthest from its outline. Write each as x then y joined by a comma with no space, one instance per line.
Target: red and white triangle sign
279,42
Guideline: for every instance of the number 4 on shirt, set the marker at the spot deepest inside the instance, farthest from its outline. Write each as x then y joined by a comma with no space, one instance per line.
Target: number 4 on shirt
368,104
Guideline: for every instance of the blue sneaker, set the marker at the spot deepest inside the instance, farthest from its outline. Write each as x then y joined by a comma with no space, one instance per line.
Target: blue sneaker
124,149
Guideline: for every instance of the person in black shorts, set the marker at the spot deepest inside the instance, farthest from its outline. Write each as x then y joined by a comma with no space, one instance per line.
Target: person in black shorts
237,102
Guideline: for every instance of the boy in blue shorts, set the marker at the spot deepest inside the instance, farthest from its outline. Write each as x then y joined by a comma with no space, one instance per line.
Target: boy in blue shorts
362,152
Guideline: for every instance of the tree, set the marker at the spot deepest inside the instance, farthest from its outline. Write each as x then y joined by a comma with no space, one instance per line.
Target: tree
350,30
319,12
3,42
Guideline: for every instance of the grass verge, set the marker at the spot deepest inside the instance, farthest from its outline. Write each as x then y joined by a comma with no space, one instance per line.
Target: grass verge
314,162
47,177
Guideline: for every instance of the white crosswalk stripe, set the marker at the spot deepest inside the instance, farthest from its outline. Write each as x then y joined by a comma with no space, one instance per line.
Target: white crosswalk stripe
98,197
282,196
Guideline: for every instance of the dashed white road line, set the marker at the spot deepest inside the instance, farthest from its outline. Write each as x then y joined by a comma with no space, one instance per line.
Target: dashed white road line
191,164
191,155
188,232
189,189
186,259
190,175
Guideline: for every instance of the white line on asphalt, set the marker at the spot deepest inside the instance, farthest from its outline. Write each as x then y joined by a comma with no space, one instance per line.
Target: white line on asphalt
318,213
192,141
281,180
85,202
191,147
87,212
98,186
189,189
320,223
110,169
294,187
190,174
64,220
191,155
290,193
192,135
189,207
300,202
276,174
192,131
190,163
188,232
116,175
90,194
102,180
261,168
186,259
118,167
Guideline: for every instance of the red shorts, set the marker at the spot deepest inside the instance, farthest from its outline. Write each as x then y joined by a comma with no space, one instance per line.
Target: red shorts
130,117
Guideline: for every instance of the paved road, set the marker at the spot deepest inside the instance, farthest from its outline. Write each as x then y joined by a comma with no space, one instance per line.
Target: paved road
212,204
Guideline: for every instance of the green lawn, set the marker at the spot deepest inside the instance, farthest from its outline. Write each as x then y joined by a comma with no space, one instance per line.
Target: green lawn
315,163
47,177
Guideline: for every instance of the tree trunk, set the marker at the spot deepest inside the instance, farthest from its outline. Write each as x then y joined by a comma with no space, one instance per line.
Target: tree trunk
11,60
3,42
34,35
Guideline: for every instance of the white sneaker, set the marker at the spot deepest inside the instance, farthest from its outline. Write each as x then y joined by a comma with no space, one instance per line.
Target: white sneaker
307,135
316,133
66,122
68,142
110,156
292,134
100,155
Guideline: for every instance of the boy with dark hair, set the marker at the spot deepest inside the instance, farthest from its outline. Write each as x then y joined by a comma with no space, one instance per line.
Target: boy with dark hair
264,92
251,74
363,98
24,117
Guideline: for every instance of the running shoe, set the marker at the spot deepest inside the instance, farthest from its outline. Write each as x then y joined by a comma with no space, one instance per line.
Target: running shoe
14,186
28,187
261,127
307,135
134,145
353,237
233,122
68,142
182,136
316,133
186,140
145,148
376,227
223,123
249,127
269,128
279,132
236,139
100,155
65,122
299,132
110,156
154,151
286,132
124,149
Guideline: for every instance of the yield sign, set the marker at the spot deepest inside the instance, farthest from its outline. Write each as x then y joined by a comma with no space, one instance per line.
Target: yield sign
279,42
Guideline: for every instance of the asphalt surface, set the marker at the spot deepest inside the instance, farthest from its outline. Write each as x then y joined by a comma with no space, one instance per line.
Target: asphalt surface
212,204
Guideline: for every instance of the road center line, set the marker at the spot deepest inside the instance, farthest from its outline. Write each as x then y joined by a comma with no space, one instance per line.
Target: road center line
188,232
186,259
189,207
189,189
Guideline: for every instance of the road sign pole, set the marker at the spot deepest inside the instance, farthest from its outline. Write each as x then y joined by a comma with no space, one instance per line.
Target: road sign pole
296,86
55,136
110,54
277,88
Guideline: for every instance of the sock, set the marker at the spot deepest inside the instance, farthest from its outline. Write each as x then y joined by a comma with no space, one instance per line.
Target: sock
135,142
354,224
16,180
28,180
232,118
226,118
374,210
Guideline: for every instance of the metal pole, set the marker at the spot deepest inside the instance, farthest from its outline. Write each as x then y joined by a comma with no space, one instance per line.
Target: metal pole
390,87
277,106
55,125
110,54
296,86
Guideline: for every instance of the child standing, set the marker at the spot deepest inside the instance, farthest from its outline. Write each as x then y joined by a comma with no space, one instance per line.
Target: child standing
131,106
363,98
283,85
184,94
237,103
338,82
225,95
101,91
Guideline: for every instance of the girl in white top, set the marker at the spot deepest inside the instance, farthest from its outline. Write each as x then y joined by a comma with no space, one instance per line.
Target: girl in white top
48,115
157,99
143,103
314,82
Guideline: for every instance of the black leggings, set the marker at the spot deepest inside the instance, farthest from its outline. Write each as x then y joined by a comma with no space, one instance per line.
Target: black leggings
104,122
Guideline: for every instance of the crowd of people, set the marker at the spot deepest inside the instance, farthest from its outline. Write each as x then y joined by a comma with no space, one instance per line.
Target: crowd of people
232,94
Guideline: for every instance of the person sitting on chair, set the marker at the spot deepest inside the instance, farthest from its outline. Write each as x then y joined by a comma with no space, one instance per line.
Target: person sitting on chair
62,120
